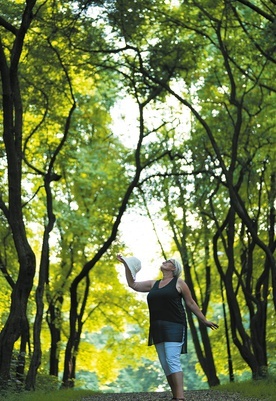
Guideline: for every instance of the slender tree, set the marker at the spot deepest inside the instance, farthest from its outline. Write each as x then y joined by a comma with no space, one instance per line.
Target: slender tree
11,205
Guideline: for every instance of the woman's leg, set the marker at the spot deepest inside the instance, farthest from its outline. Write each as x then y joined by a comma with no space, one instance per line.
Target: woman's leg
169,357
169,378
176,383
175,378
161,352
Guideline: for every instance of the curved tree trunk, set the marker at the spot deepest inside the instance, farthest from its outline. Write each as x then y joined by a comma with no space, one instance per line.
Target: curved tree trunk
12,121
252,344
73,341
45,260
201,342
203,348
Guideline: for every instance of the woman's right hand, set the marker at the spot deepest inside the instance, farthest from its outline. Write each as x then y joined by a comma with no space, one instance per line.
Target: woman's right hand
119,257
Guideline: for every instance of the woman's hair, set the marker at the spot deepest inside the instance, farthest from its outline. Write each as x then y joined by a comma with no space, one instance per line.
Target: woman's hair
178,268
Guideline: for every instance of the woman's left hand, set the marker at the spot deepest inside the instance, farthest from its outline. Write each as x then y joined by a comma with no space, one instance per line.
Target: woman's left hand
212,325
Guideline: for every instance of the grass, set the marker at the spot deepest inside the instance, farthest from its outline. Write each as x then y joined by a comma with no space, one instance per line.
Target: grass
260,389
55,395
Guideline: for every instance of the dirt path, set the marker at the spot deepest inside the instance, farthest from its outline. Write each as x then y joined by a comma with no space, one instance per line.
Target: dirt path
200,395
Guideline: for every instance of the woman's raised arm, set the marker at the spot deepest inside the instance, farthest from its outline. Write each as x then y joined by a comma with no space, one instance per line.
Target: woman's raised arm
139,286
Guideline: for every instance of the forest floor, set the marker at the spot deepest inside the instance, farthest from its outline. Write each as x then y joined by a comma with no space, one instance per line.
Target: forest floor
199,395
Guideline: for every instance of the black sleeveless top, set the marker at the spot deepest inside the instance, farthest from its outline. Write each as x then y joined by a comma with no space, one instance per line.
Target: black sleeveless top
167,315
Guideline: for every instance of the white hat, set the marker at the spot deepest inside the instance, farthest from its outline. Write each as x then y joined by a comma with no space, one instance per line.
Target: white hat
133,264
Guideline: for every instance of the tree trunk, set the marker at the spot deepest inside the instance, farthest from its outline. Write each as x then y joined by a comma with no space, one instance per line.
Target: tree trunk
21,360
53,320
17,322
251,345
204,350
78,324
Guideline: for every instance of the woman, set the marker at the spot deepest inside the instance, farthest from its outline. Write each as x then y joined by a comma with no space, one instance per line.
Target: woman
168,327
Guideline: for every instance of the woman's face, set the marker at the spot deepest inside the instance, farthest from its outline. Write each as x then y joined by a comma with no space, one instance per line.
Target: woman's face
167,265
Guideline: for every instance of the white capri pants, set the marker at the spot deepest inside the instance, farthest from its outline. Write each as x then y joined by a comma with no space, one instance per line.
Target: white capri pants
169,356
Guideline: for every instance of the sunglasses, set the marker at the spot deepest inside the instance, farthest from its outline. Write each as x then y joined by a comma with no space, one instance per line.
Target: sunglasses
170,261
